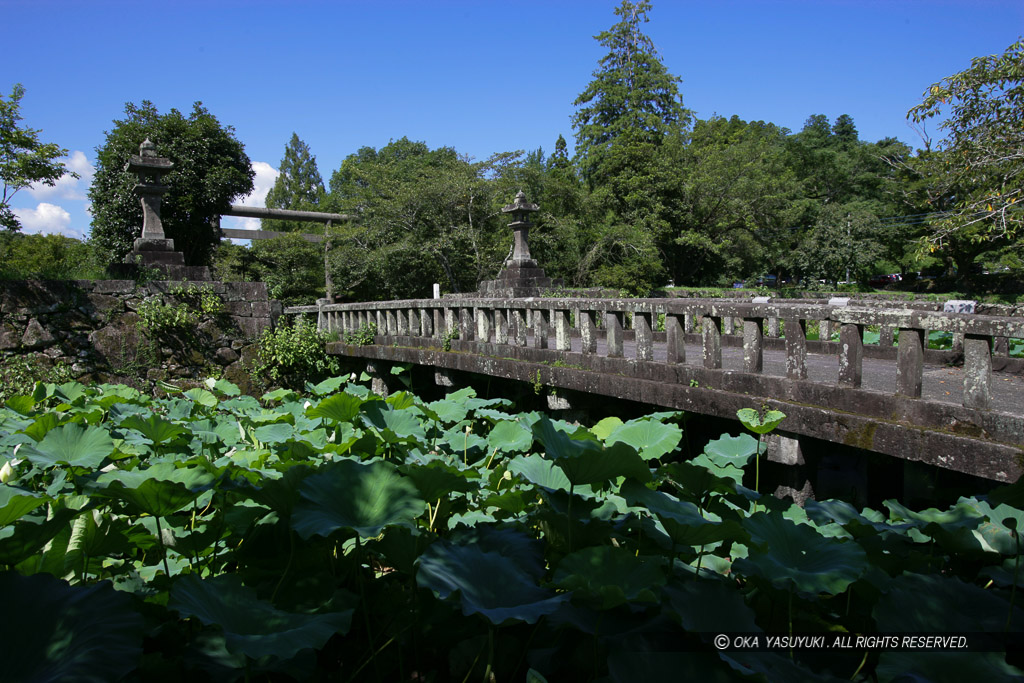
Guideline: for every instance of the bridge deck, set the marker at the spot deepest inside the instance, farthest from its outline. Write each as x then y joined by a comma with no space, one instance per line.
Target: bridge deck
939,382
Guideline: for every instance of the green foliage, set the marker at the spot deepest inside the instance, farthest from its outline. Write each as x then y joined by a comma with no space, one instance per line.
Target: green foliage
423,216
211,170
179,311
19,373
978,161
363,336
298,187
49,257
294,354
24,160
287,534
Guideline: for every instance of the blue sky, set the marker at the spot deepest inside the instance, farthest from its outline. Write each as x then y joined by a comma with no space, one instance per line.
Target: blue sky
482,77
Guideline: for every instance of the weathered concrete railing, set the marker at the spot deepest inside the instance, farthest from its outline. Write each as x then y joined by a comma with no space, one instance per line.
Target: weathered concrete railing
977,338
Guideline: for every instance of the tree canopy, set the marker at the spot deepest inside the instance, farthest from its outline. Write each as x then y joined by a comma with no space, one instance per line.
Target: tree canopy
981,158
211,169
298,187
24,160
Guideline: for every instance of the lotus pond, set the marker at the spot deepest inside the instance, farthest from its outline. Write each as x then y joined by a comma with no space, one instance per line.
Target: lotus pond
332,535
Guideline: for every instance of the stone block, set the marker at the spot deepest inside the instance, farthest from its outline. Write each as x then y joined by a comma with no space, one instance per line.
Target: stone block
114,287
240,308
103,303
36,336
10,337
261,309
226,356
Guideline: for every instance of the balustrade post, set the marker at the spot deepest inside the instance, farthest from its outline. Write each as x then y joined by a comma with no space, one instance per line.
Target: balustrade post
613,335
518,327
426,322
773,327
402,320
753,344
910,362
466,324
688,325
483,324
676,346
563,341
977,371
445,329
541,318
796,348
885,335
1001,346
500,326
588,331
643,324
727,324
851,354
392,322
711,332
382,322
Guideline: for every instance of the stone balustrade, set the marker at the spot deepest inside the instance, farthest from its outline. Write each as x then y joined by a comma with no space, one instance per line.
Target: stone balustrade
553,322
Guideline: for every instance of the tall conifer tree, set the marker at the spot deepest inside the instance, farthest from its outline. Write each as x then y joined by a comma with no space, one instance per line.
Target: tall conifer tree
299,186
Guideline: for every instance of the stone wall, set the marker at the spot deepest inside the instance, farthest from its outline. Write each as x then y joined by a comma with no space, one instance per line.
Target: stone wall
90,330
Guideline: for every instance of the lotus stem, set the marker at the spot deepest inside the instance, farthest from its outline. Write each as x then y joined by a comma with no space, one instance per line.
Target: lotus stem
163,548
1013,589
488,674
287,566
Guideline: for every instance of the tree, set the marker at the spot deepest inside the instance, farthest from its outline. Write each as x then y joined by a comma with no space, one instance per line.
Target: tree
24,160
423,216
633,100
842,245
298,187
210,171
981,164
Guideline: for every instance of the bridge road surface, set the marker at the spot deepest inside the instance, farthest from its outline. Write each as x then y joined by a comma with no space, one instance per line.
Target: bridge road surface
940,383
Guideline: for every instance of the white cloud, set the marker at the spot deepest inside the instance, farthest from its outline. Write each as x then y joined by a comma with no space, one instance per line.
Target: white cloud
266,176
66,186
47,218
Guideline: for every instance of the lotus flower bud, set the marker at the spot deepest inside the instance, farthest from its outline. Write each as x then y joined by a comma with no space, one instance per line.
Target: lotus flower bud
6,472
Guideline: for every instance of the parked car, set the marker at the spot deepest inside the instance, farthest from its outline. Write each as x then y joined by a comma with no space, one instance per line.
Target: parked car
885,280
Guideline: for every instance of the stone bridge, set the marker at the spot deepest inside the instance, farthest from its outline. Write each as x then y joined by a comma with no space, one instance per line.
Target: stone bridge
960,409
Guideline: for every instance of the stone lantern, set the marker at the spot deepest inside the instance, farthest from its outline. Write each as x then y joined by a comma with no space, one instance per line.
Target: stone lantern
520,210
153,249
150,169
521,275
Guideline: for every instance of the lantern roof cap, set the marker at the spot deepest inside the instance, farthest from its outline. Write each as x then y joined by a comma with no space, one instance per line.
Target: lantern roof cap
520,204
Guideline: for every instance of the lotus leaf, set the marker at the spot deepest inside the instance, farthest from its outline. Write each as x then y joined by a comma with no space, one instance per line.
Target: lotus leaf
15,503
731,450
66,633
159,490
253,627
710,606
682,520
486,582
652,439
394,426
71,444
603,429
328,386
343,407
795,557
363,497
155,428
202,397
223,386
758,423
610,576
926,603
510,436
